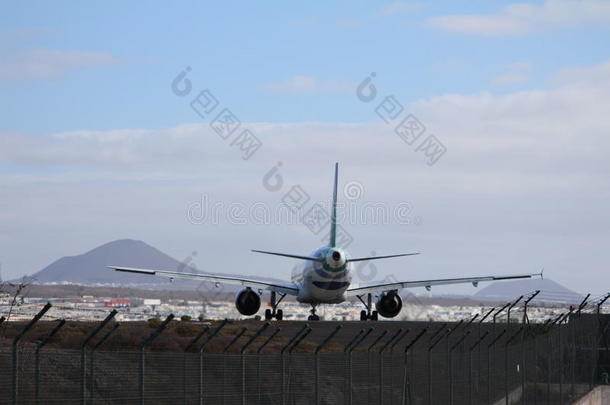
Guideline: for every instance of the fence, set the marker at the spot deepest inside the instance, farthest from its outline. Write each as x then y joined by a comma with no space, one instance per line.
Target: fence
465,362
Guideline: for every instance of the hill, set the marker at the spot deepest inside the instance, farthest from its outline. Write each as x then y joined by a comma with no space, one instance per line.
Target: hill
90,268
550,291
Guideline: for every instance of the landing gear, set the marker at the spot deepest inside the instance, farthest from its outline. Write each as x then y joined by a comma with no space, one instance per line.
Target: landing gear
274,312
368,314
313,316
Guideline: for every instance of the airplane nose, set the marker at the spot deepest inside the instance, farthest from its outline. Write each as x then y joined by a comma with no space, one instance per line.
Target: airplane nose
336,256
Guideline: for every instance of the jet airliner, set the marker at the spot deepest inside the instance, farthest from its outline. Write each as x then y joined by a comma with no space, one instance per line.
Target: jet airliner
323,277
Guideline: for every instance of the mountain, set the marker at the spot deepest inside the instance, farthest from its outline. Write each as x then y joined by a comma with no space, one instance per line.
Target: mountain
550,291
90,268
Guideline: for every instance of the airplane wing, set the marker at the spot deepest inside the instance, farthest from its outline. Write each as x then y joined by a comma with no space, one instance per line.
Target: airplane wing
429,283
281,287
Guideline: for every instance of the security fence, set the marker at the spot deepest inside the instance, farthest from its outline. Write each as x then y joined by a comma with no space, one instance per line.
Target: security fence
383,363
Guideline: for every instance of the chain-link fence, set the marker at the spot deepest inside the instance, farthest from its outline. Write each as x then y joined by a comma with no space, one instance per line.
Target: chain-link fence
458,363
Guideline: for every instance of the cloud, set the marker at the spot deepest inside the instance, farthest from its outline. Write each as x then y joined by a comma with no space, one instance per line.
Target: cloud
41,64
309,85
583,75
479,130
523,18
515,73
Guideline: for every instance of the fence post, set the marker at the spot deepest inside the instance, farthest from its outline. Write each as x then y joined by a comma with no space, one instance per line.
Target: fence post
39,345
18,337
535,382
258,361
235,338
349,352
493,330
143,346
201,349
368,392
479,357
598,337
456,344
506,363
406,381
511,306
184,355
224,352
525,303
472,319
351,342
348,365
489,347
480,339
523,364
269,339
481,321
561,354
601,302
300,339
381,365
430,347
447,351
549,360
296,343
320,346
572,325
243,363
401,337
91,361
83,348
292,339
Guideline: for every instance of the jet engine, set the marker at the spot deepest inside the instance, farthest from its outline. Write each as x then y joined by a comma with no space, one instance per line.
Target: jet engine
389,304
335,258
247,302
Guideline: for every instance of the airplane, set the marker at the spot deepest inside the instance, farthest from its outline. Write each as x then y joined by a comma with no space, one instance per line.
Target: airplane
323,277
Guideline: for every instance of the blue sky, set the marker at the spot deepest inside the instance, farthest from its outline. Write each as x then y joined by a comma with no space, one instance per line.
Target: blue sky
518,93
237,48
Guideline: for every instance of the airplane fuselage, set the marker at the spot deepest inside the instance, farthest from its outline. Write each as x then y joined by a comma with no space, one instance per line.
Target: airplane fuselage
326,281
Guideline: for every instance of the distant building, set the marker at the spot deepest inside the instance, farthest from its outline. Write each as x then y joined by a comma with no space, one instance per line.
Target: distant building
118,303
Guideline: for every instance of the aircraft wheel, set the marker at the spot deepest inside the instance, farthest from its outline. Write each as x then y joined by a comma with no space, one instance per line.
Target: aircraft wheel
374,316
268,315
279,315
363,316
313,318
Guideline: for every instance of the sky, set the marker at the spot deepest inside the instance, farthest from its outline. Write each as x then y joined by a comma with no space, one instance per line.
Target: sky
473,132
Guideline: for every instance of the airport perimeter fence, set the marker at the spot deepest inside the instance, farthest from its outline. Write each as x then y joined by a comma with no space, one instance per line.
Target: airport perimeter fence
469,362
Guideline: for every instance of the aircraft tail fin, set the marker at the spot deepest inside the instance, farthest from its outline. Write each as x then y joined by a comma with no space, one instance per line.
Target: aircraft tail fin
333,212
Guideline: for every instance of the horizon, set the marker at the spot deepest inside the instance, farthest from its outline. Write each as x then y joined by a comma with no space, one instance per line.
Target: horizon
157,284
